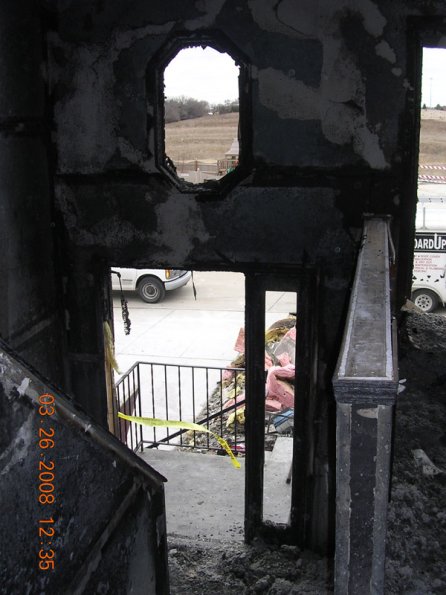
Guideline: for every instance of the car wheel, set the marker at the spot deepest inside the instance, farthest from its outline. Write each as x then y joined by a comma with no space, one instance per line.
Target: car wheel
151,290
425,299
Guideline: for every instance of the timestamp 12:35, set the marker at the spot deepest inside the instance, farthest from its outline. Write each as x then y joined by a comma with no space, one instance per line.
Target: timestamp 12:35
46,480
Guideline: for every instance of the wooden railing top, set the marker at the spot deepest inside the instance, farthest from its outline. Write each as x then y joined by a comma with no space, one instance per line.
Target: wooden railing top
366,365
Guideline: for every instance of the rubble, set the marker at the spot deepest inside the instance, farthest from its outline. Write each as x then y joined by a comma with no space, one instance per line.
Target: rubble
416,540
280,347
416,537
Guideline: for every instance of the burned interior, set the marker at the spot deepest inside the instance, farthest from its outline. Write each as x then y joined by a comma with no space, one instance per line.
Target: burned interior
319,201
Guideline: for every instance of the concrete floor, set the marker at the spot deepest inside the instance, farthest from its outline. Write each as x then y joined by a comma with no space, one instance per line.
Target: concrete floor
205,492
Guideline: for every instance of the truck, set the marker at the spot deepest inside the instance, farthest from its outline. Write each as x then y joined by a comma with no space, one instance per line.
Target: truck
429,270
151,284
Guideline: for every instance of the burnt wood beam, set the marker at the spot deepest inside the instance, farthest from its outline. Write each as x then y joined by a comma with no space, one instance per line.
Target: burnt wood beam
365,385
255,404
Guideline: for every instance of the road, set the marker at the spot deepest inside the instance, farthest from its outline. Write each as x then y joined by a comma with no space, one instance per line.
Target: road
183,330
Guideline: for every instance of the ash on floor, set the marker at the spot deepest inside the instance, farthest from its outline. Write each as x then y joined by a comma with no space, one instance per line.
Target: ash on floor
210,567
416,541
416,544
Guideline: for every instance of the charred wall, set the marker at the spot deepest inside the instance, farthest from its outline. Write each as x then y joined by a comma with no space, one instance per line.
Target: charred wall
330,125
83,514
331,118
29,315
332,133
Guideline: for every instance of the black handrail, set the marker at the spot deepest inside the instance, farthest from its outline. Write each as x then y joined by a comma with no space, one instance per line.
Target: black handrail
137,391
201,422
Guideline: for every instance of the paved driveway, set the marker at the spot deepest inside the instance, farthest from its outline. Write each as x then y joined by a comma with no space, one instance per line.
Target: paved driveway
183,330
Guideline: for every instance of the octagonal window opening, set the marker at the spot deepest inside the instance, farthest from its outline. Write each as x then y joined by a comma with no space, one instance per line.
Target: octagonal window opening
201,115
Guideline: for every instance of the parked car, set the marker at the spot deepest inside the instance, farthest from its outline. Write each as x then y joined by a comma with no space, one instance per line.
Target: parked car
151,284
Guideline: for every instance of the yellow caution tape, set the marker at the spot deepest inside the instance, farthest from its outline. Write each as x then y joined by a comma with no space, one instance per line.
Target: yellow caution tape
184,425
110,348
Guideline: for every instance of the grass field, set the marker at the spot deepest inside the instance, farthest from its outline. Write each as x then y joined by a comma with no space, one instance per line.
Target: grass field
433,136
208,138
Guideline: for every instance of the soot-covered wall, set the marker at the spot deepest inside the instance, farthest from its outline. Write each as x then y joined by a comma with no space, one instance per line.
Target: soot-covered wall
30,319
330,131
332,134
330,125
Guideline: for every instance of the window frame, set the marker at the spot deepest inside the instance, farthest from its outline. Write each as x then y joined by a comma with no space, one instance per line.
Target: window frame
156,110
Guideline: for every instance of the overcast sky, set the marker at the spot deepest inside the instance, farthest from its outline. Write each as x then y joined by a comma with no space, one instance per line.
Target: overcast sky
202,74
434,77
212,76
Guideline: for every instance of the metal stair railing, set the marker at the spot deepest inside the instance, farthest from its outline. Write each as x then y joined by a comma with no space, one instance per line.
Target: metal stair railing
196,394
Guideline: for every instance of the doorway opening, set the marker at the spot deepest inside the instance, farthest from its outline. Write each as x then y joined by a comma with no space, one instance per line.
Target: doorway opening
280,359
183,362
429,270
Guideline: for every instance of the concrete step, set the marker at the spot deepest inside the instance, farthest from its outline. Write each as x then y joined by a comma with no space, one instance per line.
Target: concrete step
277,492
204,494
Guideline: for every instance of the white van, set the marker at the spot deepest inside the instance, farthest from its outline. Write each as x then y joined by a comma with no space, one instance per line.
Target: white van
151,284
429,270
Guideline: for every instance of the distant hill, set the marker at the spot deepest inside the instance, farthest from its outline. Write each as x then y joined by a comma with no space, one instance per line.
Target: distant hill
206,138
433,136
209,137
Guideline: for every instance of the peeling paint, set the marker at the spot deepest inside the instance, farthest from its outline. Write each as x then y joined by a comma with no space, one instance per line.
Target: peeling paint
23,386
373,19
263,14
123,40
366,143
384,50
286,96
341,78
343,91
343,124
286,16
371,413
18,449
210,8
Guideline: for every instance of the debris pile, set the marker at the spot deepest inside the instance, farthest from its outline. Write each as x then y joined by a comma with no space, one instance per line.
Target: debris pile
203,568
227,401
416,537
